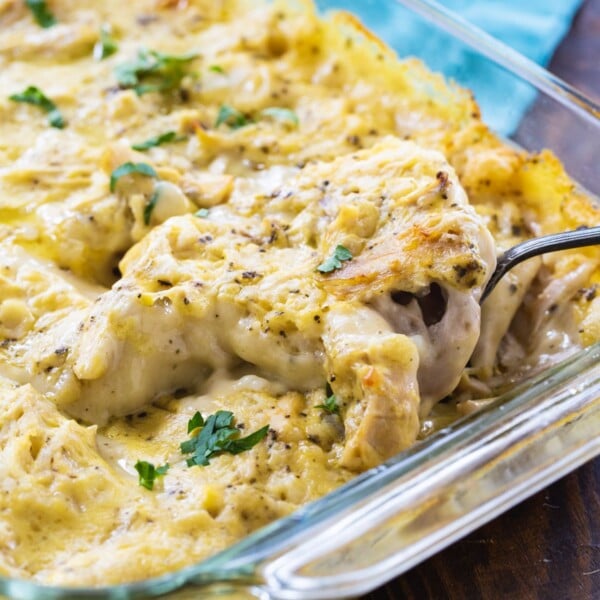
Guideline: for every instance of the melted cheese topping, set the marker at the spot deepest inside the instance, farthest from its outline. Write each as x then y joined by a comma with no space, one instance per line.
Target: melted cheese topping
123,311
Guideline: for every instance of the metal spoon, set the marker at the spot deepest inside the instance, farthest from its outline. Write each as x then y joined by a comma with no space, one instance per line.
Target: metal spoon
588,236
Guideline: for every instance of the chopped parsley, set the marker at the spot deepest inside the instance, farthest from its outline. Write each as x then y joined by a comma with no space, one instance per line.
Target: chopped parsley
330,405
340,254
148,473
232,117
210,437
236,119
216,69
129,168
43,17
35,96
217,436
153,71
163,138
281,114
196,421
106,45
150,206
201,213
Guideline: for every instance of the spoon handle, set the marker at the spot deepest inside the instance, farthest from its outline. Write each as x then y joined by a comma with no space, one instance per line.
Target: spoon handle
554,242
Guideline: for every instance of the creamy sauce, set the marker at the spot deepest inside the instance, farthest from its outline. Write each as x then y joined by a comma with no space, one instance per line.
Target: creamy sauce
124,310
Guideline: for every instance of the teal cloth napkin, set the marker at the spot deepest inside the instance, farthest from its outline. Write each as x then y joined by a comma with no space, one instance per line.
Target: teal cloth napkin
533,27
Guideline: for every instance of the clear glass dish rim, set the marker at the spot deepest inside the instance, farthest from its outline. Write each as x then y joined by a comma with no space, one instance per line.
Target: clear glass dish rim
238,562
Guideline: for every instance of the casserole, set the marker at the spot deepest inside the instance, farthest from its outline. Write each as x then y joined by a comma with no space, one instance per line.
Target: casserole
270,572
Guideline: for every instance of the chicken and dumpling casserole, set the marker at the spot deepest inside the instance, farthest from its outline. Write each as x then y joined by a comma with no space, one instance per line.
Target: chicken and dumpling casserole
242,249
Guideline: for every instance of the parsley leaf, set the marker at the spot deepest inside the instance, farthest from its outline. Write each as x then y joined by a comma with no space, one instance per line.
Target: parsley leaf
153,71
43,17
35,96
106,45
201,213
148,473
281,114
127,169
340,254
216,69
245,443
236,119
163,138
195,422
330,405
217,436
150,206
232,117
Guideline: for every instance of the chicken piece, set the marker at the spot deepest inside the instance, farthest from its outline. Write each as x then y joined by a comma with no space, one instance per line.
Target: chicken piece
63,205
41,308
378,368
499,311
197,296
201,294
51,479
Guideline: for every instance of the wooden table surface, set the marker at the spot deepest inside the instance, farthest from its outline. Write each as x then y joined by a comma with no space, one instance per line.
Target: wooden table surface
548,547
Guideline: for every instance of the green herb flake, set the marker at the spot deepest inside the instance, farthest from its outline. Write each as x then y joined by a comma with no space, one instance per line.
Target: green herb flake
150,206
163,138
216,69
148,473
43,17
130,168
245,443
232,117
153,71
330,405
340,254
281,114
35,96
217,435
201,213
195,422
106,45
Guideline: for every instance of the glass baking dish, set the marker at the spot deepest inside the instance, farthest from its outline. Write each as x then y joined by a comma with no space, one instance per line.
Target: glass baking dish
387,520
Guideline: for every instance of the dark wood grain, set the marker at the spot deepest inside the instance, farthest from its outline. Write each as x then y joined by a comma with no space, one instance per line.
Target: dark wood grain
545,548
548,547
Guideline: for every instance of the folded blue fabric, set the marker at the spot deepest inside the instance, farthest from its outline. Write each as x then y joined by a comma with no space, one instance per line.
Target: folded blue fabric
533,27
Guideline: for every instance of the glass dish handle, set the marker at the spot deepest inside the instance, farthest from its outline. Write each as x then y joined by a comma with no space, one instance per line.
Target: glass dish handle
533,444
